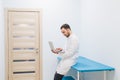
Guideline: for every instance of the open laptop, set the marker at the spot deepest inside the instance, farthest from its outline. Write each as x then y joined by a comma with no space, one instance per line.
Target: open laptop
51,45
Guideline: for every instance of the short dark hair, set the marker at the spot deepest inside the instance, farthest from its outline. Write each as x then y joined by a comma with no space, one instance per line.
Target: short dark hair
66,26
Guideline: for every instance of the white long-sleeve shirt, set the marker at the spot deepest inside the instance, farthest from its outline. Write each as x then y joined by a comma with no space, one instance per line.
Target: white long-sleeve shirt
69,54
71,48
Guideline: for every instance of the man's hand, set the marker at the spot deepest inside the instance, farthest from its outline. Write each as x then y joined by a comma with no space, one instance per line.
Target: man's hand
59,49
56,50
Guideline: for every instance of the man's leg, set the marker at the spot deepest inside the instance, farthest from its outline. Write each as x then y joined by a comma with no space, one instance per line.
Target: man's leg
58,76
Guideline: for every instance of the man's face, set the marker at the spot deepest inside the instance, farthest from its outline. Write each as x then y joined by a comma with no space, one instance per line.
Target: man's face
65,32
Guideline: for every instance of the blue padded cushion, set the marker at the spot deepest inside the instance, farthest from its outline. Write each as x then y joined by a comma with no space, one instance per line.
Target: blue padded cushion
68,78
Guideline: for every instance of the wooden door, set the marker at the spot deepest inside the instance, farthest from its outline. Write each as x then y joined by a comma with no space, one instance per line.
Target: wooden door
23,44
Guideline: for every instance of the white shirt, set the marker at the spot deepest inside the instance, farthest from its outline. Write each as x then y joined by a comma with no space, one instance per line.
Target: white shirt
69,54
71,48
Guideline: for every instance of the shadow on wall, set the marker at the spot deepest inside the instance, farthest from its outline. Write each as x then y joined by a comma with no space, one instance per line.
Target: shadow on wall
98,75
111,75
92,75
72,73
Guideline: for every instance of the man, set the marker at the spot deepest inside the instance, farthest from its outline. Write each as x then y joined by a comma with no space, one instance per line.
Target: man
69,54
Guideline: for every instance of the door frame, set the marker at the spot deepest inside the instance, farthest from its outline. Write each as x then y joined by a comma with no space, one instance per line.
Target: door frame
6,10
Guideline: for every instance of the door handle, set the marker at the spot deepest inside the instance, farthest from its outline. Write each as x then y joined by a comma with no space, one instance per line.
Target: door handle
37,50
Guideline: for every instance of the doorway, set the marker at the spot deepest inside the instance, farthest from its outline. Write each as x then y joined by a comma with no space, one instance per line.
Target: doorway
23,44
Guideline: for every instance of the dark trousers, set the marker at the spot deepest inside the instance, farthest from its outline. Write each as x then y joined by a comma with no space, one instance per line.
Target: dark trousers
58,76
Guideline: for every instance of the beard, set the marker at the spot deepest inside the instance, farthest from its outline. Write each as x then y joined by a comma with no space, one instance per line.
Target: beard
68,35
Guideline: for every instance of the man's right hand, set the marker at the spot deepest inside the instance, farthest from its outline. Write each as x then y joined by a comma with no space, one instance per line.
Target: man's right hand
57,50
54,51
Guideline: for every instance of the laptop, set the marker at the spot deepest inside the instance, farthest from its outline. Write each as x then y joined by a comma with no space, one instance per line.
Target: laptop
51,45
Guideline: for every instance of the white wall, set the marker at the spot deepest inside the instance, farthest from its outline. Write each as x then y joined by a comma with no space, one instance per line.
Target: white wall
55,13
2,69
97,23
100,34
